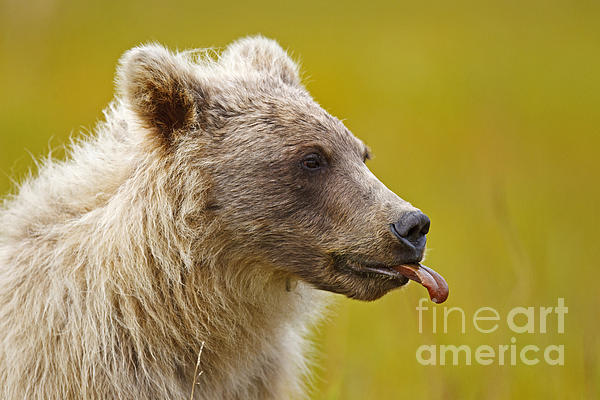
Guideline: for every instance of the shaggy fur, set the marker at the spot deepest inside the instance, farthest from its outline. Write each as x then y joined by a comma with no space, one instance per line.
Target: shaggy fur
190,216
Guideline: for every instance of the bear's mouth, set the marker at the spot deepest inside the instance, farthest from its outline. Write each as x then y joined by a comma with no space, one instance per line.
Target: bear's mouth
434,283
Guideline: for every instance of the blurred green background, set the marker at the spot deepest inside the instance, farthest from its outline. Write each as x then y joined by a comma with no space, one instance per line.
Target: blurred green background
483,114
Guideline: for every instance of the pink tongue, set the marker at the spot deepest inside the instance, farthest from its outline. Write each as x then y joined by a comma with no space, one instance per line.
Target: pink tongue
433,282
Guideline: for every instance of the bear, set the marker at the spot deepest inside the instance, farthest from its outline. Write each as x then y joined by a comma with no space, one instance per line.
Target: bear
188,245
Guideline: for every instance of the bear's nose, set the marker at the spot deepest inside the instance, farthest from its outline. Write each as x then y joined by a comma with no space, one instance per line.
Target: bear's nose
411,229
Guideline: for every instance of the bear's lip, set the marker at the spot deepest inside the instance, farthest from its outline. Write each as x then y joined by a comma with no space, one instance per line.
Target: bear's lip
370,269
434,283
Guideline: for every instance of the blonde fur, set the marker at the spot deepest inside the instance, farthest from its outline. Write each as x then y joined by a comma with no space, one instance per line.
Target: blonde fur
217,204
110,281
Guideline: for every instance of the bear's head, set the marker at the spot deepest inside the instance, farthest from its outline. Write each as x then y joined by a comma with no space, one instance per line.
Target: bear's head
287,183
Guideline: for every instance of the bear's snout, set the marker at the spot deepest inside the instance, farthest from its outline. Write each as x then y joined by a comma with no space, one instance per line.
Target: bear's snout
410,230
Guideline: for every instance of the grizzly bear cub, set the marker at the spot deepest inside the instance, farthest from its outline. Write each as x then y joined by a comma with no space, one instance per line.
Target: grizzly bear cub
214,208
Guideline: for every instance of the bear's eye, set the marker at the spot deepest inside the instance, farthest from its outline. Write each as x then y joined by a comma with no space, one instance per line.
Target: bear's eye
312,162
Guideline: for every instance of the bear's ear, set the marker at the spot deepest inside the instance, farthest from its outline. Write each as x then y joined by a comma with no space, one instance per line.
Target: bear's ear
161,89
263,55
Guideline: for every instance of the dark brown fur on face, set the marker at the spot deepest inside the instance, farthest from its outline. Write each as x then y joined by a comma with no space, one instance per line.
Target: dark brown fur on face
316,225
211,210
